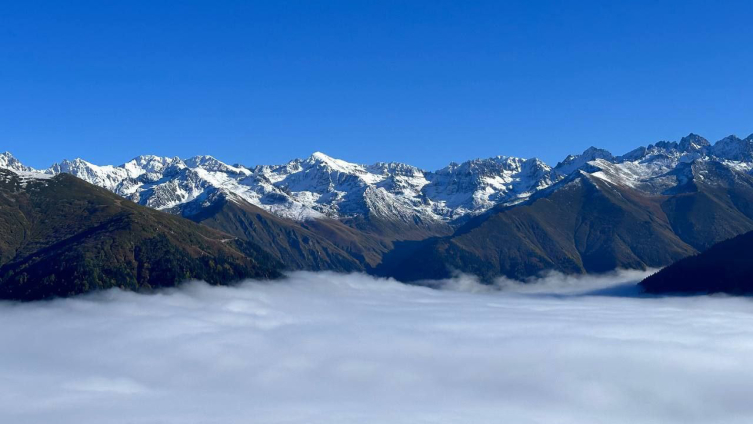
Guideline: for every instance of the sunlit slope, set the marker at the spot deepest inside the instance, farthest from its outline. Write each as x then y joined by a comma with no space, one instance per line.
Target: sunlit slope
590,224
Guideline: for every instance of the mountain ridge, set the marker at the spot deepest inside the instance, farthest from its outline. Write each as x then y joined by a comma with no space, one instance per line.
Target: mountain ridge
321,186
496,216
61,236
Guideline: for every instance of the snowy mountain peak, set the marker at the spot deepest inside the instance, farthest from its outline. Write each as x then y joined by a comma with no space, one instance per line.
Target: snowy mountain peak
151,168
734,148
489,166
68,166
152,162
635,154
395,168
145,159
693,142
689,148
479,184
8,161
664,145
321,159
323,186
596,153
575,162
107,176
209,163
319,156
203,161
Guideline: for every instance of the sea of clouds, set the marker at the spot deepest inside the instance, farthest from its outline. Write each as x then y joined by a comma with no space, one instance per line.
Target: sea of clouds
327,348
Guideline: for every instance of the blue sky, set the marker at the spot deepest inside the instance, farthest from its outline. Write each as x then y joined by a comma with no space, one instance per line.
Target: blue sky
423,82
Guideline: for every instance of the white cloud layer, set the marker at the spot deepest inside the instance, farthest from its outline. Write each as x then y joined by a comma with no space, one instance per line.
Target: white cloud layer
325,348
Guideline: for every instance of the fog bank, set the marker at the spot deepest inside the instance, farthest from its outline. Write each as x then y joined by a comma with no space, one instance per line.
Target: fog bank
326,348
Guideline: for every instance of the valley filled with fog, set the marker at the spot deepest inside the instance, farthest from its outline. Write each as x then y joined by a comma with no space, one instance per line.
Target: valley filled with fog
329,348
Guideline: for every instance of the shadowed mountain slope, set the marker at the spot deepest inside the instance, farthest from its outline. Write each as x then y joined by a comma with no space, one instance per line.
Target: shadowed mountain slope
290,242
61,236
317,244
589,224
724,268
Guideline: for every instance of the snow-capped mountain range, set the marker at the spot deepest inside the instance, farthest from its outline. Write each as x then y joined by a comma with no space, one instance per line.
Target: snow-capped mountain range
322,186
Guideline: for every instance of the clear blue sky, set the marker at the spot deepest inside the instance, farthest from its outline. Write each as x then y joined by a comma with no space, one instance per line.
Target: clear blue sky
423,82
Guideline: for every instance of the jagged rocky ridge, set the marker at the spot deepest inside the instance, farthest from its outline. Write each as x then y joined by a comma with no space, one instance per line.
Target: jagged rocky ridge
325,213
321,186
317,187
648,208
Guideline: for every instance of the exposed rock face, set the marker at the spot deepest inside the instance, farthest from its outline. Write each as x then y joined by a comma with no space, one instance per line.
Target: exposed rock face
495,216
